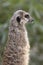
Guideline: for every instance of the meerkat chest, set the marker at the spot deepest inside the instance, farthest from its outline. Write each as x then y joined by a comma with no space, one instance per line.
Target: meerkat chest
26,36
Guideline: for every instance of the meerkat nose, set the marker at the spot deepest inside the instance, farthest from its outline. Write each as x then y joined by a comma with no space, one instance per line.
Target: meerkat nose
32,20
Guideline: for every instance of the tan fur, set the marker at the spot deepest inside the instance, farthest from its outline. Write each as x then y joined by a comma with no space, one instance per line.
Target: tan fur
17,48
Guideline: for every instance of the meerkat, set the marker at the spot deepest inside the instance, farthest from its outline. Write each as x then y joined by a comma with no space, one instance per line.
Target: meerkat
17,49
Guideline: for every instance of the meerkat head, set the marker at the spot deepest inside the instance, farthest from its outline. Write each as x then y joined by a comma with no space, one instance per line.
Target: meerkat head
22,17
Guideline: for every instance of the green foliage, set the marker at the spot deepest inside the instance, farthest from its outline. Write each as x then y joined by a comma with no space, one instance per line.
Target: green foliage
35,30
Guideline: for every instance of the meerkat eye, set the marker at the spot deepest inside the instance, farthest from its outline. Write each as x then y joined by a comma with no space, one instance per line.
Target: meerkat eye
26,16
18,19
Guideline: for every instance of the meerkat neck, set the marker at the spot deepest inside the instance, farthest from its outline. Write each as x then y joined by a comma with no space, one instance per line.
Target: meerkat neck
22,28
18,34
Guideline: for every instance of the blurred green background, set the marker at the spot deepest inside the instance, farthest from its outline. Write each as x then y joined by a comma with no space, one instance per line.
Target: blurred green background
35,30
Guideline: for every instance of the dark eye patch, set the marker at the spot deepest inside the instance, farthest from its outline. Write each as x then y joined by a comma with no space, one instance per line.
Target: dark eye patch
26,16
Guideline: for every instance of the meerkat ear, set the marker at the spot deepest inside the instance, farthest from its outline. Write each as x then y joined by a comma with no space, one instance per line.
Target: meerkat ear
18,19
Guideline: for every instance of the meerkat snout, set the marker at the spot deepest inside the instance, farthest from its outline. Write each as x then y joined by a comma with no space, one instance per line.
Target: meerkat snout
31,19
